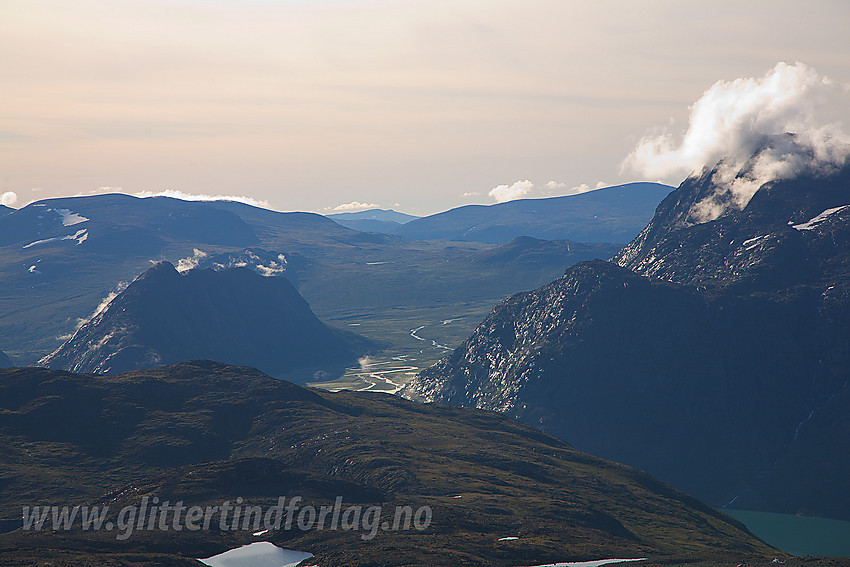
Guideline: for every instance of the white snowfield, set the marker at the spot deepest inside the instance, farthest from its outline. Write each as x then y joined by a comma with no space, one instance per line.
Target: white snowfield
812,223
80,236
69,218
258,554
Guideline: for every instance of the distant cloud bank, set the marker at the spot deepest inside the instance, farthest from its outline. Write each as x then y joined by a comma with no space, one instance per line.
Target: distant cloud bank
173,193
353,206
733,120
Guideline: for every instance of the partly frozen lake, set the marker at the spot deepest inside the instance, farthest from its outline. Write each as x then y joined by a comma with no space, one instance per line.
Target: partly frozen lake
258,554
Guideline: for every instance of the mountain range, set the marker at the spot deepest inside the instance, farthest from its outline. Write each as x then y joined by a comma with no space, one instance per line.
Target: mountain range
232,315
712,353
373,220
61,258
502,493
612,214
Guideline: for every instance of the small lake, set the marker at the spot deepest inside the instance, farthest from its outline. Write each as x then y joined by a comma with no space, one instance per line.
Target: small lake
798,535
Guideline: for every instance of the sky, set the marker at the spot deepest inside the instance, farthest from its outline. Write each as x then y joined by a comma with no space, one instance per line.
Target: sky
415,105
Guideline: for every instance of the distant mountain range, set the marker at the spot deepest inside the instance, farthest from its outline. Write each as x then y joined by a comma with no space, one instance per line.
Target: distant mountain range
373,220
713,354
612,214
386,215
60,258
232,315
202,433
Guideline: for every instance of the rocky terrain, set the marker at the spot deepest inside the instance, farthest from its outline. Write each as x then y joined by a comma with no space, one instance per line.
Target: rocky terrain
712,354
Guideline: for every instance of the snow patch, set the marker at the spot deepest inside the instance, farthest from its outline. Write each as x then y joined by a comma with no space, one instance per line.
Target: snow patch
70,218
509,538
257,554
752,242
80,236
812,223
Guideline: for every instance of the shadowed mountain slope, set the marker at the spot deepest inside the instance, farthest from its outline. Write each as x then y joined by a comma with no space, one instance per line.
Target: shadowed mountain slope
201,433
720,366
234,315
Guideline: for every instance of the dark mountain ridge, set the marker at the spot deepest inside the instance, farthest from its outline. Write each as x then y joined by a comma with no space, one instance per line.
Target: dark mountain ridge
713,357
202,433
231,315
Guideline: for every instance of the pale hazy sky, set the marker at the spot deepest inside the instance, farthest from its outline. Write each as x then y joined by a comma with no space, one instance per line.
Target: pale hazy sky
411,104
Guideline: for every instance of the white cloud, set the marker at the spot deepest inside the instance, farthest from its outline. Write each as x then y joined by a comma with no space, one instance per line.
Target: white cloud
190,262
583,188
470,194
559,187
175,194
104,303
733,121
9,198
353,206
528,190
518,190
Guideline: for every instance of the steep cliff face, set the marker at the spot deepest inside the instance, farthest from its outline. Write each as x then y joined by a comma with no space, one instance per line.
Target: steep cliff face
792,232
231,315
706,357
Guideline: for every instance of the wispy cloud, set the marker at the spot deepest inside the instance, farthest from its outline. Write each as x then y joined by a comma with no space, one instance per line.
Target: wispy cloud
175,194
101,307
352,207
734,120
190,262
528,190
